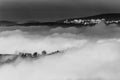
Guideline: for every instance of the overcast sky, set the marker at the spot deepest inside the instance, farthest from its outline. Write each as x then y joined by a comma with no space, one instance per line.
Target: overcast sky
50,10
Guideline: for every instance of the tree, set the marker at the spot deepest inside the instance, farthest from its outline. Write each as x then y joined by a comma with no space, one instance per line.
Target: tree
44,52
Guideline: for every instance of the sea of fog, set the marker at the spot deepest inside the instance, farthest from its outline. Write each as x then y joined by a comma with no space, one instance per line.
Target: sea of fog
90,53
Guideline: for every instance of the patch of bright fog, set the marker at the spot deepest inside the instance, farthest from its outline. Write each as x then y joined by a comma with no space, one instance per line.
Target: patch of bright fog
91,53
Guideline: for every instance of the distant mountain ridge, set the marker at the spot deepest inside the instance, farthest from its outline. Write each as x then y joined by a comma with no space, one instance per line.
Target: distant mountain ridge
110,18
107,18
7,23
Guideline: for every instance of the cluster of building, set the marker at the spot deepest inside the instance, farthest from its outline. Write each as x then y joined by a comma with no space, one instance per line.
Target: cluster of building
83,21
90,21
113,21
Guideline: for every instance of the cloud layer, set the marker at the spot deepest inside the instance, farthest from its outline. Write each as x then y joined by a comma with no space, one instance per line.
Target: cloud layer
90,53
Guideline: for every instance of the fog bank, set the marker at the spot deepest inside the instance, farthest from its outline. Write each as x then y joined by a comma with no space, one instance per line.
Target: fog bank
90,53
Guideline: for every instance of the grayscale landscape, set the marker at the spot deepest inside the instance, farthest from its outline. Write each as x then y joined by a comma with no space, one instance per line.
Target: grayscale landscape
59,40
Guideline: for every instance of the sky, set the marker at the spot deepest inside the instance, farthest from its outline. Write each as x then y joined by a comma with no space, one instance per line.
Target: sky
51,10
